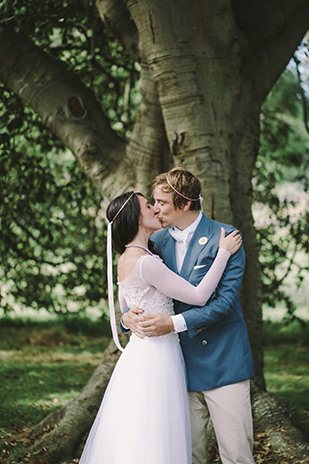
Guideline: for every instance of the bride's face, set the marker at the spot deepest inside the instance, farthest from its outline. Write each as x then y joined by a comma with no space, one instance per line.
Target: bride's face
148,218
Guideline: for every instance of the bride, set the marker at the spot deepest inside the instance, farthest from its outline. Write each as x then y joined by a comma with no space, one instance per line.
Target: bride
144,416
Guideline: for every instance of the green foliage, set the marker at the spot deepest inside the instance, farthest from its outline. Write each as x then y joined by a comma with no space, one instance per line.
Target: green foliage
51,223
281,183
52,226
72,31
52,229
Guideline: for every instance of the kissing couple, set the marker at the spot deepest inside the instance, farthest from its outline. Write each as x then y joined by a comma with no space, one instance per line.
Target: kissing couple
188,357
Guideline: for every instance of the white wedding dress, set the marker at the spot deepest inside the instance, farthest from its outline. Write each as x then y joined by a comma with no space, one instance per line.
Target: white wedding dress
144,416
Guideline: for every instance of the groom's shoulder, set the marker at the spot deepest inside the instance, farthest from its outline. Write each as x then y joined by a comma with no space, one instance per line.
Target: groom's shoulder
216,225
160,236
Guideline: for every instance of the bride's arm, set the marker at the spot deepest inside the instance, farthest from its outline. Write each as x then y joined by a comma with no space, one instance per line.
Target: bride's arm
155,273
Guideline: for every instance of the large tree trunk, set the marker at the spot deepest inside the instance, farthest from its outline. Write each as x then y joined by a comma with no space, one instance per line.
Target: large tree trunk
205,72
210,130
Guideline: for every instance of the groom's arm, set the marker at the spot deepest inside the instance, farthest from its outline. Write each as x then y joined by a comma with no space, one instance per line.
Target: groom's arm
224,299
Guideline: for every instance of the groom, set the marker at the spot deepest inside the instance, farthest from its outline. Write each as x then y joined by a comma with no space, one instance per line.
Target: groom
213,338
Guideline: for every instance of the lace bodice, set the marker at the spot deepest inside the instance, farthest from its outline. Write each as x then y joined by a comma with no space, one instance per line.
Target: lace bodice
134,292
148,298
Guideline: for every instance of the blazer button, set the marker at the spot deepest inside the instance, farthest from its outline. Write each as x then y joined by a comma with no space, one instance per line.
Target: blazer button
204,342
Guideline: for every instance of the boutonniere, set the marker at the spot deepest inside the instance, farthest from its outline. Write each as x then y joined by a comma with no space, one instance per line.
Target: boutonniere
203,240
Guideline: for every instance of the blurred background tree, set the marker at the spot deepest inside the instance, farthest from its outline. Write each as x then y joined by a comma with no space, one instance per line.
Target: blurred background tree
281,189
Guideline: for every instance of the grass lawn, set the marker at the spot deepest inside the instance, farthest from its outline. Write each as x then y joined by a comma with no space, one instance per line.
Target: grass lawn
45,364
286,370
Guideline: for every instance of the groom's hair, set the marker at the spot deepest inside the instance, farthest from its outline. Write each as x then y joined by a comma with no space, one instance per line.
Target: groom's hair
182,185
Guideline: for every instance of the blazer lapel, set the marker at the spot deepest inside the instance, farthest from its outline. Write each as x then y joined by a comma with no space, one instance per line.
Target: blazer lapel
195,248
169,253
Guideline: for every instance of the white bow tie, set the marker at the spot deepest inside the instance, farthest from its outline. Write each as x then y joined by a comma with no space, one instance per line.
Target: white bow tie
179,235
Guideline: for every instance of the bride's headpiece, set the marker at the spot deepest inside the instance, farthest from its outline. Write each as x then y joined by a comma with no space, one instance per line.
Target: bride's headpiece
110,288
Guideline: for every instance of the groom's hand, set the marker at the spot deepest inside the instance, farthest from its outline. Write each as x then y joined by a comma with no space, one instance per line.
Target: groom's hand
154,325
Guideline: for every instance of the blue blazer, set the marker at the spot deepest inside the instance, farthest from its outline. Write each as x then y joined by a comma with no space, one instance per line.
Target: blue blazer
216,347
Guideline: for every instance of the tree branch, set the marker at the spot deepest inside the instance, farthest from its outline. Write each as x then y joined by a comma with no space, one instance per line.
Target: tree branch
273,29
302,93
148,148
118,20
68,108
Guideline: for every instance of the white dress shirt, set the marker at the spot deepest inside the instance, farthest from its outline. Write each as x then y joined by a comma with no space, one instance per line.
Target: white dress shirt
183,238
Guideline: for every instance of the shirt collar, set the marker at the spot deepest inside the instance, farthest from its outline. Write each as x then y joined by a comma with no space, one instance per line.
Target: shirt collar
191,227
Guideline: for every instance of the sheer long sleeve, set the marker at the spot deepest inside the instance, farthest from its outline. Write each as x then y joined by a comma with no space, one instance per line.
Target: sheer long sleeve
155,273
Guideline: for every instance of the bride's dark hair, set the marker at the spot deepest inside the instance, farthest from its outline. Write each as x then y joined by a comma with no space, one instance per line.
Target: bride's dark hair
125,225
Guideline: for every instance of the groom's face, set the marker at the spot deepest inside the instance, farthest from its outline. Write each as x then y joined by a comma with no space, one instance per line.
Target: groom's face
164,208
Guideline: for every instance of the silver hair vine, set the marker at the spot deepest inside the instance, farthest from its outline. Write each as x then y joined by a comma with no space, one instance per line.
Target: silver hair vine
200,198
121,208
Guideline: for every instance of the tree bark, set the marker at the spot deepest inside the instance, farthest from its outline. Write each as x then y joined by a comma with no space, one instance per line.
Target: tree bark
273,30
272,415
116,18
70,110
148,149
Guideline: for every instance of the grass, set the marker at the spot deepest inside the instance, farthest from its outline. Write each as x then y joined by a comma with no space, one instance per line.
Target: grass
286,370
44,364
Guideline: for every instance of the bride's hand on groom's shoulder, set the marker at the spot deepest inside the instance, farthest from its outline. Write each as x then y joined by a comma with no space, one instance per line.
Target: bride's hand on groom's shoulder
231,242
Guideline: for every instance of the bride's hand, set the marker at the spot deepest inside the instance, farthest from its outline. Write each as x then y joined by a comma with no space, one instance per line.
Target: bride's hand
232,242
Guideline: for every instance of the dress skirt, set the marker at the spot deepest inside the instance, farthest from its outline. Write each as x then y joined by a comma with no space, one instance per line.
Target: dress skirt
144,416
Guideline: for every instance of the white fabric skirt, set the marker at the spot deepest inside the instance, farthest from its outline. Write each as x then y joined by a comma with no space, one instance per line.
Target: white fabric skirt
144,416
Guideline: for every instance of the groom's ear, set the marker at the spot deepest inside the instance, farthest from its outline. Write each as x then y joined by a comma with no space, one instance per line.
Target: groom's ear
186,206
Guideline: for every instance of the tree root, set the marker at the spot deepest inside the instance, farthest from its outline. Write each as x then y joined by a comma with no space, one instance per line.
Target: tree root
271,413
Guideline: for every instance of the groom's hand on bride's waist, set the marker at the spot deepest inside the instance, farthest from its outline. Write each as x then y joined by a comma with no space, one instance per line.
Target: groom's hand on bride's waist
154,325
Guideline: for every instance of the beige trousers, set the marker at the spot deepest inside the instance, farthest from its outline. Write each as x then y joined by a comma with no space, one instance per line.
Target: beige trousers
230,410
